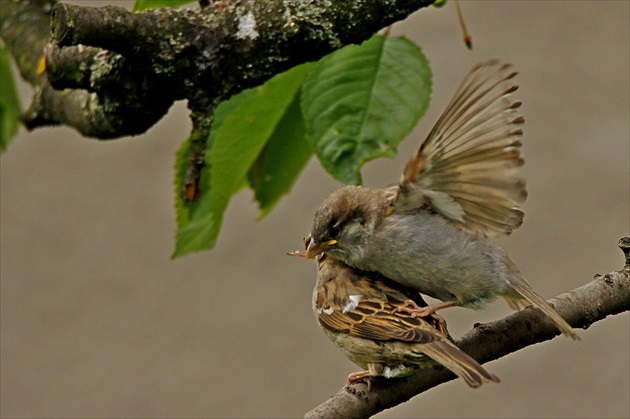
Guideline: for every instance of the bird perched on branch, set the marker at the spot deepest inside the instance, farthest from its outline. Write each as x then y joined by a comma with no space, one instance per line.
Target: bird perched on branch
366,316
432,232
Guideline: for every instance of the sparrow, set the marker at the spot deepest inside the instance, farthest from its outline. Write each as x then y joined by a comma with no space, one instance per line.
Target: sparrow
433,231
366,316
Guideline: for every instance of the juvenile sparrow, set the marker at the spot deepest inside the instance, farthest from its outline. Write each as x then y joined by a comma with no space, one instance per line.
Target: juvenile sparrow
432,232
364,314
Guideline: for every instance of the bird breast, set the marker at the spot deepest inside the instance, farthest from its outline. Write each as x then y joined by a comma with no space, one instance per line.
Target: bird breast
436,257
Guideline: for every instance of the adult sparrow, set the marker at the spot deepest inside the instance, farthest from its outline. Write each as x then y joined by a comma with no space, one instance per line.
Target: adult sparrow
366,316
432,232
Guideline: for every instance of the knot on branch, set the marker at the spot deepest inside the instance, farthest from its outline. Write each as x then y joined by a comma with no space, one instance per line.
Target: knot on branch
137,64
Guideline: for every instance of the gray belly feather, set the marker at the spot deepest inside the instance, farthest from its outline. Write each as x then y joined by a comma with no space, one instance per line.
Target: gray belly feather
432,255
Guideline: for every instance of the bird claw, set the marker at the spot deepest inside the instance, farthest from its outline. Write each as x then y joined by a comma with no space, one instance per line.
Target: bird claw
356,377
410,307
417,311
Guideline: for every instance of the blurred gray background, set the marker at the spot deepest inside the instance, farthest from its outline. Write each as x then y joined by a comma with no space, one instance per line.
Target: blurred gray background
98,321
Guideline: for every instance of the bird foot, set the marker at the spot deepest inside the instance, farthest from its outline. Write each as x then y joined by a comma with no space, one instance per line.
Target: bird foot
356,377
410,307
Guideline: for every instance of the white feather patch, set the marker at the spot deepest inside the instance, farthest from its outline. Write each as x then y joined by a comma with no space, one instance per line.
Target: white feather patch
352,304
395,371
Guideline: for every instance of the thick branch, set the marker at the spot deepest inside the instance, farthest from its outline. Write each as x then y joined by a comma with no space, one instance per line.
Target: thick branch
606,295
139,63
232,45
121,71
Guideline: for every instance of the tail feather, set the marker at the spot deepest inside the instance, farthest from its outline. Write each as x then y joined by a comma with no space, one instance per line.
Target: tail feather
459,363
524,289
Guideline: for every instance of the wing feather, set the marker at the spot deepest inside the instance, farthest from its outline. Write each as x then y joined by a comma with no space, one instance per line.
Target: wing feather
468,167
373,316
379,325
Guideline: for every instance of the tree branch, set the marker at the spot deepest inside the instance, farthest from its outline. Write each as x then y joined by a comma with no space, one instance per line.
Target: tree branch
139,63
604,296
113,73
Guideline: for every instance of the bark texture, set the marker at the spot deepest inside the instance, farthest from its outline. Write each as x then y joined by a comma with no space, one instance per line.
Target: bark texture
130,67
113,73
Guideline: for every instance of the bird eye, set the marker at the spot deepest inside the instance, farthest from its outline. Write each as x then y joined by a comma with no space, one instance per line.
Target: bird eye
334,231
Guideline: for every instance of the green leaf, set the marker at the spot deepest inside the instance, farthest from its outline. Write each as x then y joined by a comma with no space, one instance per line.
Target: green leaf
181,159
361,101
239,133
9,103
192,232
282,160
141,5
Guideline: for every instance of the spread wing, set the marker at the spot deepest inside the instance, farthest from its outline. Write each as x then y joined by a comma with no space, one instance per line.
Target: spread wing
467,168
369,314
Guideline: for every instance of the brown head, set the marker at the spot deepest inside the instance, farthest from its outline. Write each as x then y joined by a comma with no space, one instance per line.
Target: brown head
345,220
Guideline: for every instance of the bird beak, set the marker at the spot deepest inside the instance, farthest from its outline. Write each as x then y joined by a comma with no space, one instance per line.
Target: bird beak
313,249
298,253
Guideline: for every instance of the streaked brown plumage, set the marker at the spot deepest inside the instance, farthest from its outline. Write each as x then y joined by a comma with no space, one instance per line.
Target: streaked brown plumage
366,316
432,232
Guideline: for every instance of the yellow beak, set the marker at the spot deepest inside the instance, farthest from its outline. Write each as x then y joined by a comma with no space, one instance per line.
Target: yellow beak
314,249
